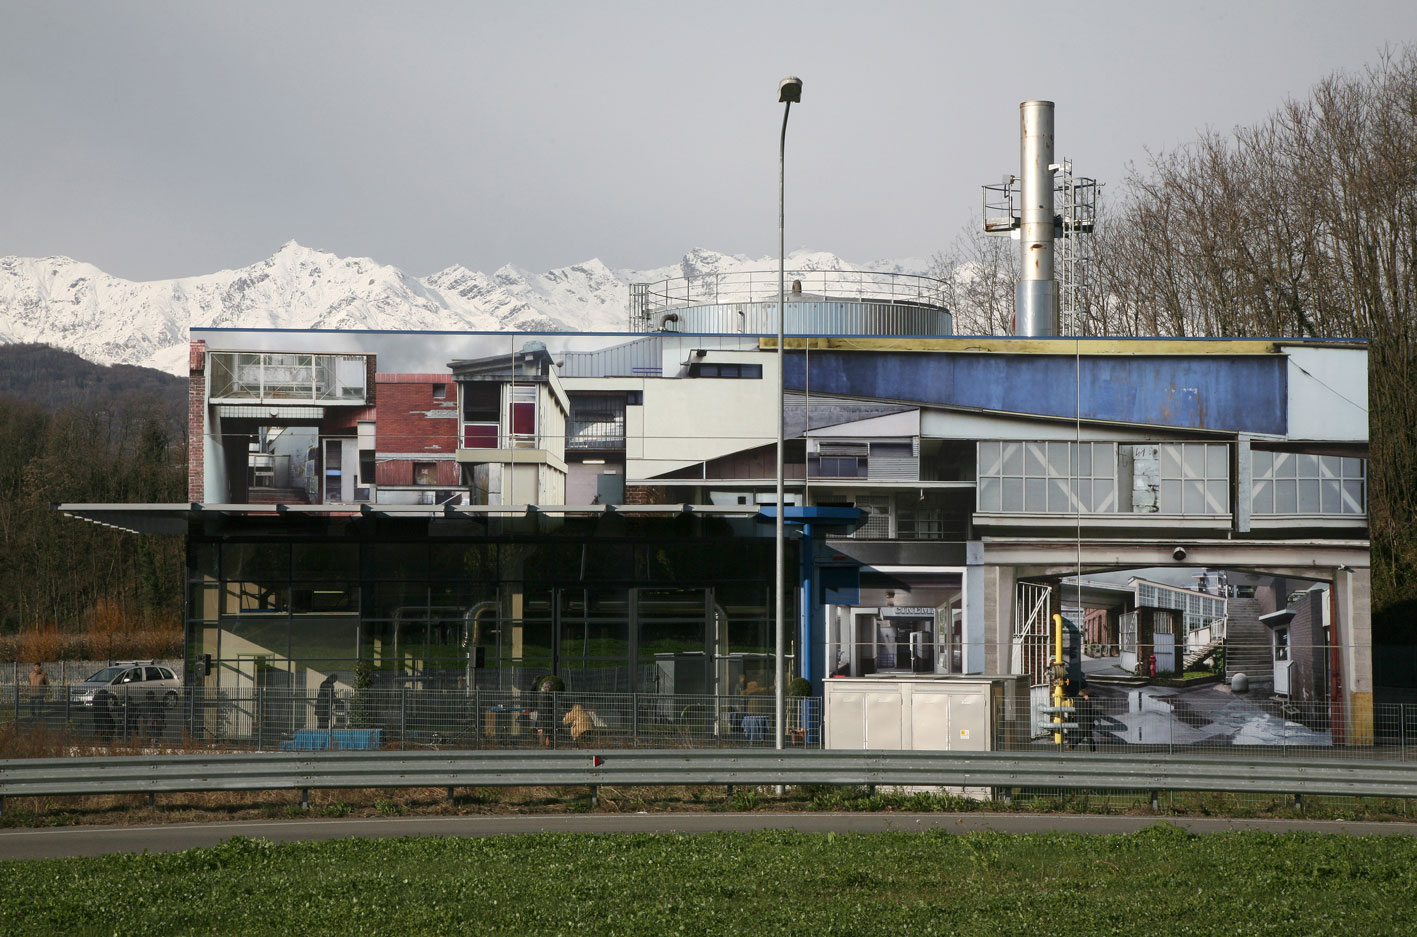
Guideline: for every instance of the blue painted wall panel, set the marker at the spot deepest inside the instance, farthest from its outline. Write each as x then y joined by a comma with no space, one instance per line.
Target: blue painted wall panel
1216,392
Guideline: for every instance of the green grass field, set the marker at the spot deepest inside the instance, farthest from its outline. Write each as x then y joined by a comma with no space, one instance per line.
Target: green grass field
1158,882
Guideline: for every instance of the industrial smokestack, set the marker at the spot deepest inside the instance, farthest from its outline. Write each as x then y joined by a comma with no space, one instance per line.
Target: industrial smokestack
1036,295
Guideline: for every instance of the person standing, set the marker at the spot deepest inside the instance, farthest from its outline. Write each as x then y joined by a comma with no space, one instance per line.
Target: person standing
325,702
39,688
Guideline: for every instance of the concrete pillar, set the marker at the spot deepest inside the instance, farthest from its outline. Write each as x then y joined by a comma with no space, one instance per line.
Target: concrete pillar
1353,633
1000,585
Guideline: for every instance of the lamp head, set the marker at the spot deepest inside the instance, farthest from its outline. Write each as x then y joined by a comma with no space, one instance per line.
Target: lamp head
789,90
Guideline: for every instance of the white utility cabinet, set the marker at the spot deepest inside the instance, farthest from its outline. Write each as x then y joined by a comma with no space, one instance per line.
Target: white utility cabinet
913,713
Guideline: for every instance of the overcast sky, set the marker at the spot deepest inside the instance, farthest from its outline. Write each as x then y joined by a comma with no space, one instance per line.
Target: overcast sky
169,139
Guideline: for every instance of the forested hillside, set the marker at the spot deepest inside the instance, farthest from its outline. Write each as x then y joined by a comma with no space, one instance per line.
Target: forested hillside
76,431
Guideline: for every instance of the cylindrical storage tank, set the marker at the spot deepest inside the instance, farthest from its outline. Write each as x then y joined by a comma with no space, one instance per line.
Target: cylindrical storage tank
815,317
1036,297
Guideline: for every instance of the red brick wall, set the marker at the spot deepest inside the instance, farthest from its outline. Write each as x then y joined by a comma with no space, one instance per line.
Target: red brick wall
196,413
404,424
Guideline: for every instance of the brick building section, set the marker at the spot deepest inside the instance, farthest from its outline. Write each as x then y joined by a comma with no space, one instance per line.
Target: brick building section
196,418
414,425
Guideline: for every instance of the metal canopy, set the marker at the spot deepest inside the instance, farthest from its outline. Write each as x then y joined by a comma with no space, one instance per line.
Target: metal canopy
173,519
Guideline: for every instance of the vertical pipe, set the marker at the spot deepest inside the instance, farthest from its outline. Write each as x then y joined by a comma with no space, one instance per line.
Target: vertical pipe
1036,297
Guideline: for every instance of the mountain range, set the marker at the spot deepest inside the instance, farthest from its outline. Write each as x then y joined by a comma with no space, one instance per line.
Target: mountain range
108,320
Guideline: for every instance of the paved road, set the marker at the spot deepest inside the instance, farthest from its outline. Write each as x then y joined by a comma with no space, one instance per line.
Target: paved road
103,840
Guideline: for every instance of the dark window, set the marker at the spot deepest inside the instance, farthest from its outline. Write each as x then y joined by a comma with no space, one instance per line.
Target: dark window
842,466
635,398
726,369
440,391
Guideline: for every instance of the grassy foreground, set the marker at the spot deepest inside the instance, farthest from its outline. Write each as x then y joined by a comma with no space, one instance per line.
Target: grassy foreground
1159,881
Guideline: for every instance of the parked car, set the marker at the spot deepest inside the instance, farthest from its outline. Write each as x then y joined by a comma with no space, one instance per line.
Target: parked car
115,684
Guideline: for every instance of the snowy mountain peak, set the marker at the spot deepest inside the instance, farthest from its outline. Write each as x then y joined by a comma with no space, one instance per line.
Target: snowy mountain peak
75,305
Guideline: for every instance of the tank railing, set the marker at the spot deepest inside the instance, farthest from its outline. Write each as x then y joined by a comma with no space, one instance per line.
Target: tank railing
758,286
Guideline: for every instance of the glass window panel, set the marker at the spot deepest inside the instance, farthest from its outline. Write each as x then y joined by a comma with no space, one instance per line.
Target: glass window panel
1033,459
1331,501
1013,458
393,599
1192,497
204,560
1170,461
1262,499
1085,458
1035,495
203,601
1058,499
1058,457
989,463
1084,487
1104,495
324,637
1013,494
324,560
462,561
325,597
396,561
1284,465
1217,496
1352,468
1309,495
1352,497
1217,459
255,561
1261,463
1307,466
1286,496
1193,457
1330,466
989,491
1169,497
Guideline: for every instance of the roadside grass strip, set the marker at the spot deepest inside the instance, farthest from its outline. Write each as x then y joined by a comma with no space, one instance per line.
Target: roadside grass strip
1158,881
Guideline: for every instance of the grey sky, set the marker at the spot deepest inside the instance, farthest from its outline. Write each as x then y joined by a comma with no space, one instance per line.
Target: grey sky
169,139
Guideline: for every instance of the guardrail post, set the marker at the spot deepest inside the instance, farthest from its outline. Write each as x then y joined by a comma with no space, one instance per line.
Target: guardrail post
1299,802
595,795
1155,801
450,795
305,798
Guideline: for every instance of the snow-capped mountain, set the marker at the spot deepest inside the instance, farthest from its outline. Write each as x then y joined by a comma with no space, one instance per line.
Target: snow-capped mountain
109,320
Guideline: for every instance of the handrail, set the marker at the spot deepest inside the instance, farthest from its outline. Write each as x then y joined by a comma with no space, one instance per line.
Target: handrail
754,286
1102,772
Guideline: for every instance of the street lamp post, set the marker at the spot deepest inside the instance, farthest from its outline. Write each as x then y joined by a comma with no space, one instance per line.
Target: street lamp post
789,92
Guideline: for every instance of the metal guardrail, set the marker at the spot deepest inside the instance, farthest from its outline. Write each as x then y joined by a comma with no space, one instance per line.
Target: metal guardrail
995,770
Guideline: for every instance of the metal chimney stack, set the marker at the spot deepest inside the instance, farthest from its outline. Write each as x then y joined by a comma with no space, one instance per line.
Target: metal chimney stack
1036,295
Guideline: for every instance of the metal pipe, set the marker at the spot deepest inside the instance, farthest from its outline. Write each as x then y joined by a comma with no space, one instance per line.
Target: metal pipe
1036,295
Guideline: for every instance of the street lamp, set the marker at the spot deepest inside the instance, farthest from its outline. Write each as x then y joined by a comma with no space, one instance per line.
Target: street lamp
789,92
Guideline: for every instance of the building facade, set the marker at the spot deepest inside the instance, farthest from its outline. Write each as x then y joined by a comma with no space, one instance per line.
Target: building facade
460,509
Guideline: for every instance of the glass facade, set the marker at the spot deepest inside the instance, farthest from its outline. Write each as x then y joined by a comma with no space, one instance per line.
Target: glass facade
1047,477
651,616
1303,483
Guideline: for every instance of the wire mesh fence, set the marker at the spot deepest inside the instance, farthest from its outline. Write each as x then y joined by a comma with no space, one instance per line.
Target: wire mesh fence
409,717
419,717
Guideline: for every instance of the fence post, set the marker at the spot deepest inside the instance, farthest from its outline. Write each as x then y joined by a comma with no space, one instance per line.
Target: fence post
635,719
403,716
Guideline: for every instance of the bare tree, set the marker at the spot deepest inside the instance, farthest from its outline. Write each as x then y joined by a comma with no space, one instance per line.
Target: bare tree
1303,225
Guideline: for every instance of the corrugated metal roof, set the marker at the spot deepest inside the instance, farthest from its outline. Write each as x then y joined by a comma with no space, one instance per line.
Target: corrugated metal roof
639,358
